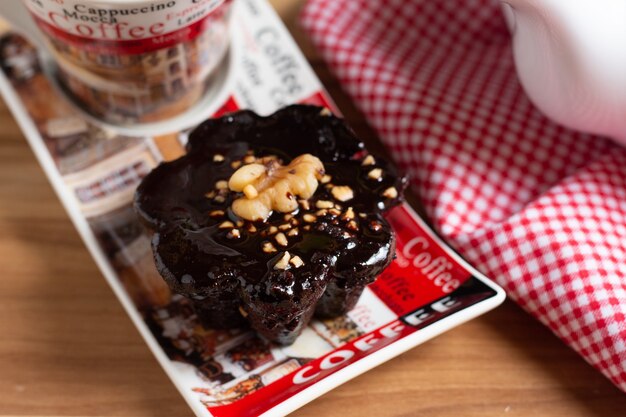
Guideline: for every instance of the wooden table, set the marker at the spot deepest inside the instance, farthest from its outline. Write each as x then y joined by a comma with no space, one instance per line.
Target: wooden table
67,348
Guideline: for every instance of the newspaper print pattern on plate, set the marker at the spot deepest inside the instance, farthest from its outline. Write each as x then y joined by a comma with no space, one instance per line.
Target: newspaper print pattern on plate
235,373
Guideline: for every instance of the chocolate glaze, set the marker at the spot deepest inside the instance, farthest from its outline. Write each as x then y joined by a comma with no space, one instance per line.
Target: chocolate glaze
229,278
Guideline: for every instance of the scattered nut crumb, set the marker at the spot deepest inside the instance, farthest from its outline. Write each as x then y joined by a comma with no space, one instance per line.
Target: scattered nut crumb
210,194
342,192
348,215
251,228
390,192
221,185
218,158
283,262
352,225
326,179
324,204
335,212
235,164
272,230
325,112
219,199
216,213
243,312
321,212
362,215
284,226
375,174
304,204
268,247
226,225
250,191
296,261
239,223
309,218
293,232
294,222
281,239
249,159
368,160
307,227
233,234
287,217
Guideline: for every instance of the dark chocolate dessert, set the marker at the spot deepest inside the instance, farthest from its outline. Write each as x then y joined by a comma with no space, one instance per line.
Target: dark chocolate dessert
268,220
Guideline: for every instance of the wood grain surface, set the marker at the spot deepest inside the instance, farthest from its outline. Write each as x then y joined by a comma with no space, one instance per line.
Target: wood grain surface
68,349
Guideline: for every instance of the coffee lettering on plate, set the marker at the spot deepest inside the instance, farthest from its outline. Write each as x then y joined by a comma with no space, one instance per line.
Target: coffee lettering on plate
435,268
283,63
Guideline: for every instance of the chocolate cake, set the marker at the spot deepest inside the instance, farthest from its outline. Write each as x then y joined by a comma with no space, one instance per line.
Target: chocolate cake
269,220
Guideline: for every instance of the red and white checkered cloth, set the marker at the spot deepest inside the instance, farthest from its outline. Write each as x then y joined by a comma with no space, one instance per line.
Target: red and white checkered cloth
539,208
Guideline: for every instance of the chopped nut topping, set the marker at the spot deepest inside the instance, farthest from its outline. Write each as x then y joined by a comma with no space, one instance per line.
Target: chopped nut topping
249,159
287,217
268,247
305,204
276,186
307,227
250,191
335,212
245,175
348,215
272,230
326,179
251,228
226,225
234,234
218,158
284,226
321,212
375,174
243,312
210,194
296,261
368,160
216,213
342,192
239,223
390,192
325,112
281,239
362,215
293,232
352,225
309,218
219,199
221,185
283,262
235,164
324,204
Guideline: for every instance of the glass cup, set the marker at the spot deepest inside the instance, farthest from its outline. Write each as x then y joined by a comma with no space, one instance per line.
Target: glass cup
130,61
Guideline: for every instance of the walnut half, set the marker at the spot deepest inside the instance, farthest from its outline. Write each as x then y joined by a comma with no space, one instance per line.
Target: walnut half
272,186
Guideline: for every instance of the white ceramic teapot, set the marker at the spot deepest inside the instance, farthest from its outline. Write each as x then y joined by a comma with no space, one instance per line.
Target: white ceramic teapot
571,60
